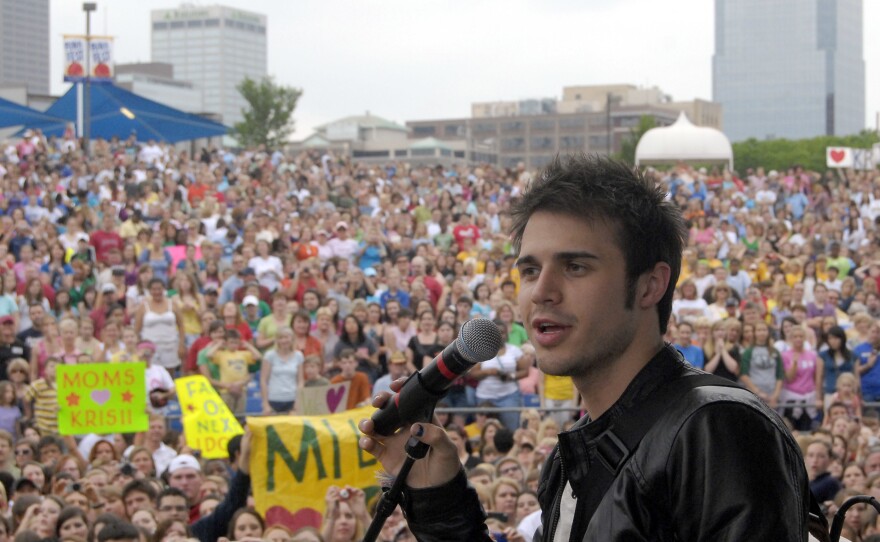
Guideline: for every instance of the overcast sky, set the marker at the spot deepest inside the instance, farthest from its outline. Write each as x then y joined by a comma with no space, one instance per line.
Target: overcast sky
429,59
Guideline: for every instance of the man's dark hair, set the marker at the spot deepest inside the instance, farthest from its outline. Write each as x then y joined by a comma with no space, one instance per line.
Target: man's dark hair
50,440
139,486
648,229
170,492
119,530
503,440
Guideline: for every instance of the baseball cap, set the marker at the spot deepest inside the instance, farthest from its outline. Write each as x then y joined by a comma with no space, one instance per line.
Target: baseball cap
108,287
370,272
250,300
23,483
342,224
210,289
146,345
248,271
184,461
7,320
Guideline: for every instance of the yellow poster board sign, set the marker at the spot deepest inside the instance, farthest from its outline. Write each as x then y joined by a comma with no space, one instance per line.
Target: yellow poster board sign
208,424
294,459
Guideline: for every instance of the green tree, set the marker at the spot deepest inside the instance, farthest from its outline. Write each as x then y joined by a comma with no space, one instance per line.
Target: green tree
781,154
269,118
628,146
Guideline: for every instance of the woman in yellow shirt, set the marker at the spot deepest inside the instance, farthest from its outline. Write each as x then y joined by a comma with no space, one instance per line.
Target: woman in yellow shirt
190,303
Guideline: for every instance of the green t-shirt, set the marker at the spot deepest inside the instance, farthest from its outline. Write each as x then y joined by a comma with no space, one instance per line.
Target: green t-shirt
517,335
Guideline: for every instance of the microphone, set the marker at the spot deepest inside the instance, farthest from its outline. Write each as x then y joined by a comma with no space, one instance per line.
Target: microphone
478,340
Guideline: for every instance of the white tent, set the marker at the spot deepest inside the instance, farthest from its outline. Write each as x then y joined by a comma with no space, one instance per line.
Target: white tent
684,142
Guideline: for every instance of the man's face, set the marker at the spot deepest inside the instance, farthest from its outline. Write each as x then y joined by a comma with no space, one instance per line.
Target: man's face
872,464
684,334
187,480
172,507
817,459
572,294
348,365
49,454
135,501
157,429
37,313
396,370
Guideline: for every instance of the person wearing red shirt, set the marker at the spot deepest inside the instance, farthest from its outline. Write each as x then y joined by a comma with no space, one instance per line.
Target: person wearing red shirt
232,320
360,388
465,229
196,192
419,269
107,238
210,331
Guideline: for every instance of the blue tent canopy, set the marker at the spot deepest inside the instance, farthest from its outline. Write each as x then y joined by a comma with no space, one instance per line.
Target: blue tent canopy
118,112
12,114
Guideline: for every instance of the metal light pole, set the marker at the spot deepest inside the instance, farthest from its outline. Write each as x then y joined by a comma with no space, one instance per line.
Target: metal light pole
88,7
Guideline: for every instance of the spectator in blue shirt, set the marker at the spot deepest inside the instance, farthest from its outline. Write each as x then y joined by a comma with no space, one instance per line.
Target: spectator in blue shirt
691,352
868,369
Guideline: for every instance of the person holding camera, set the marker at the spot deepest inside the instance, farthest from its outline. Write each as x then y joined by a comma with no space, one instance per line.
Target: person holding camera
345,518
498,379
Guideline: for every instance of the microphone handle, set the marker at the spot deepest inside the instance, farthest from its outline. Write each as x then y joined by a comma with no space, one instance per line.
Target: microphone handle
414,403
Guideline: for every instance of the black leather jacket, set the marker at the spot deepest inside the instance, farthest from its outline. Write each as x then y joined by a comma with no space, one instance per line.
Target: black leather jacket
717,465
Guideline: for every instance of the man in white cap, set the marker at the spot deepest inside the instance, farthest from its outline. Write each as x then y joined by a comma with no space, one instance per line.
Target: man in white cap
343,246
185,474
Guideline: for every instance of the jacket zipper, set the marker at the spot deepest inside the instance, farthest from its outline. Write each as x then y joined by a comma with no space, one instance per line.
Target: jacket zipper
557,501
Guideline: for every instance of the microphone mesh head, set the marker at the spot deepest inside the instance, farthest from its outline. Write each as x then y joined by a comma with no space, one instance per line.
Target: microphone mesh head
479,340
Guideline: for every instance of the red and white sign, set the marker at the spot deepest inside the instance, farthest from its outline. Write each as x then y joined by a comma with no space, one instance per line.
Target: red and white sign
839,157
101,58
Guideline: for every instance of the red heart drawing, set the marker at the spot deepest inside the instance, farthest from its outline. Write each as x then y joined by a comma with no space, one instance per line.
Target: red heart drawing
304,517
838,156
334,396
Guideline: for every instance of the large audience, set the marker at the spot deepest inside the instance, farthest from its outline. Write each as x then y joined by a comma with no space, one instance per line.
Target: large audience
268,272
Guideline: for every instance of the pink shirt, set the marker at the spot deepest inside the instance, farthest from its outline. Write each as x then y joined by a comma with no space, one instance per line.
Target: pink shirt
804,380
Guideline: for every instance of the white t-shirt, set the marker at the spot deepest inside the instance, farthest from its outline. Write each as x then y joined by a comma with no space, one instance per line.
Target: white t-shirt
269,271
343,248
492,387
698,303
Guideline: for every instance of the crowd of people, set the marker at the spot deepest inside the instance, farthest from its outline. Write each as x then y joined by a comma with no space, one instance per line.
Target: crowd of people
275,271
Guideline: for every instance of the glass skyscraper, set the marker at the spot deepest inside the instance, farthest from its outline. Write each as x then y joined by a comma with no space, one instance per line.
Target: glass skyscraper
24,44
215,48
789,68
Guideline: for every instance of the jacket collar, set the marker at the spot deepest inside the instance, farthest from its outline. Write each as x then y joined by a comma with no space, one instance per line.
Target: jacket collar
581,438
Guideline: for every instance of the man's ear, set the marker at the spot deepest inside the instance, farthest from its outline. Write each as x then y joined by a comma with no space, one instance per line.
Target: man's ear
653,284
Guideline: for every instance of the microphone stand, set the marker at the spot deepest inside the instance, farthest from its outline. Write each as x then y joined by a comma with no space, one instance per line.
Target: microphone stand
415,450
840,516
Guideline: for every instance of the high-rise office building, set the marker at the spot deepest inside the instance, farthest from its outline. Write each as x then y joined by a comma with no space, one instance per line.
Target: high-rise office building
215,48
24,44
789,68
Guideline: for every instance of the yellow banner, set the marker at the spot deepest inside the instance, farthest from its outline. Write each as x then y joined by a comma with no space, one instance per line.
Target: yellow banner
294,459
208,424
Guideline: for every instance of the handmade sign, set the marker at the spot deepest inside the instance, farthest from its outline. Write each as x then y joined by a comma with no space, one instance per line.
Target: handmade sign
316,400
102,398
294,459
208,423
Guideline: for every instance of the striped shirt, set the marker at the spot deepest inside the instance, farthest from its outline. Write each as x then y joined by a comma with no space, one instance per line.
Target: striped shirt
45,401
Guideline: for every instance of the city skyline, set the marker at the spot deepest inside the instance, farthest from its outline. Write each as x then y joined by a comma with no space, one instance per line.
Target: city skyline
436,61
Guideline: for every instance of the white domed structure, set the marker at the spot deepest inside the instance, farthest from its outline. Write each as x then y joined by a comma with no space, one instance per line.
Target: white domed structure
684,142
